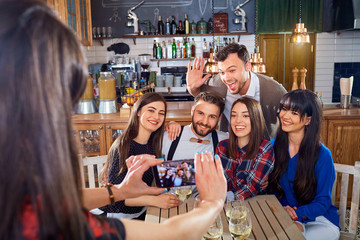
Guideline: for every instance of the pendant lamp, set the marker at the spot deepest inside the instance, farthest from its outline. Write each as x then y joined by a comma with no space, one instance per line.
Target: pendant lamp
211,66
299,33
257,63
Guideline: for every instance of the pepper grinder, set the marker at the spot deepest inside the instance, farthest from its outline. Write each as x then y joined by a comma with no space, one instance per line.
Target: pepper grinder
295,72
302,78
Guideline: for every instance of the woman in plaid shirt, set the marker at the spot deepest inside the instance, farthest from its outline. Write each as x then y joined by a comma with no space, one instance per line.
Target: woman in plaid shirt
246,156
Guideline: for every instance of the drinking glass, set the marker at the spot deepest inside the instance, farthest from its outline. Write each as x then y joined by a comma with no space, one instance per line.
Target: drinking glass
215,230
239,223
233,204
183,193
145,61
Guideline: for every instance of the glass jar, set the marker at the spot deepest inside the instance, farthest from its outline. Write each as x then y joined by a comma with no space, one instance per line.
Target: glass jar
107,86
89,90
193,27
201,26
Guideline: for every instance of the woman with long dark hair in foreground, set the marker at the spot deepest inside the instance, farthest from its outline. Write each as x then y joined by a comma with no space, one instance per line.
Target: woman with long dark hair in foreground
304,170
42,75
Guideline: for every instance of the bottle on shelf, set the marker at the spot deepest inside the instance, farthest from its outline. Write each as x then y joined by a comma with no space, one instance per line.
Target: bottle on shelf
173,49
167,27
185,48
160,26
169,49
163,50
210,26
193,48
181,29
193,27
158,51
211,49
178,49
201,26
188,52
205,50
154,49
186,24
173,26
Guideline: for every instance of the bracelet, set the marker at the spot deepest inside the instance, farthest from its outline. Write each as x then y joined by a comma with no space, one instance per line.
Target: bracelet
111,195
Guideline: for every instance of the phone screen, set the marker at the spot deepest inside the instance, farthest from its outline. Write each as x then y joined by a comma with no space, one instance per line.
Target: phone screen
175,173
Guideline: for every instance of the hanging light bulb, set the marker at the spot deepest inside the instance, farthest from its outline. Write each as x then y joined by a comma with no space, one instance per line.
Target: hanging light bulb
299,33
211,66
257,64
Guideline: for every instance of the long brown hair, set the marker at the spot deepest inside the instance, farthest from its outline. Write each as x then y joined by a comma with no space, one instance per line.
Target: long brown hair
307,104
42,75
257,129
122,143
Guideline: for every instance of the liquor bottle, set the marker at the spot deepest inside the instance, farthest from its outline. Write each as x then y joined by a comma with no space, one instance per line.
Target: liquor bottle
188,52
173,26
160,26
211,50
154,49
233,40
173,49
180,28
178,50
163,50
169,49
205,53
185,48
158,51
167,27
186,24
193,48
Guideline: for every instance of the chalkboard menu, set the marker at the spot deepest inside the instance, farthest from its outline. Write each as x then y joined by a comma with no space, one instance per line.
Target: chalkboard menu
113,13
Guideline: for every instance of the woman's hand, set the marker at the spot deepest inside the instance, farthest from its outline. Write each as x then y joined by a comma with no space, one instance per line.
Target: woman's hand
173,129
166,200
291,212
133,186
209,177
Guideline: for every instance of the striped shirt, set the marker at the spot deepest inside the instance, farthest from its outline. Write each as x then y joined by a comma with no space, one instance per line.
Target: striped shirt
245,176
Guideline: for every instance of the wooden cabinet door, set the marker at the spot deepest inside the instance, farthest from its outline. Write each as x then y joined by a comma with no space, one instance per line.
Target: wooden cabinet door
343,139
79,19
113,130
91,139
281,56
59,7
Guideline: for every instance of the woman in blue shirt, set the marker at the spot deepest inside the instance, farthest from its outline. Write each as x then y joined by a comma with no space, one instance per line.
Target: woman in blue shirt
304,171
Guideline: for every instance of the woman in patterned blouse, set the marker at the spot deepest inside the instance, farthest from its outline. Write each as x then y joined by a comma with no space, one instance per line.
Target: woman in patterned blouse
246,156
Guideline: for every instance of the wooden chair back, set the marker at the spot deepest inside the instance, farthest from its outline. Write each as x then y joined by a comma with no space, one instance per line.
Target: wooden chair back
346,171
91,170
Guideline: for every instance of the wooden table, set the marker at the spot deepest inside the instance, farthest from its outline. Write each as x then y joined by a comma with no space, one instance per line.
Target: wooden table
269,219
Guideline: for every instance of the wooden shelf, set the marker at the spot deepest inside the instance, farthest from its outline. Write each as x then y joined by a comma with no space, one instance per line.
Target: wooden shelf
186,35
169,59
101,39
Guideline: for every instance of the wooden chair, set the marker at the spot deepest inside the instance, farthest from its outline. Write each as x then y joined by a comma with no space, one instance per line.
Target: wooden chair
90,165
346,171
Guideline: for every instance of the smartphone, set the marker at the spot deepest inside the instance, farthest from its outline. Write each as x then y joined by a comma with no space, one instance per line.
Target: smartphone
175,173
